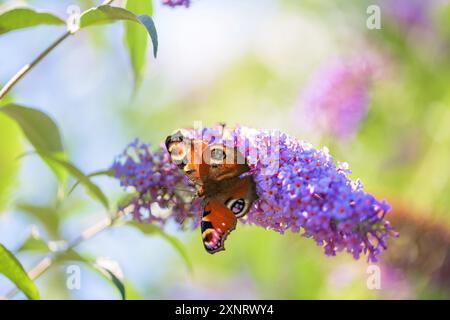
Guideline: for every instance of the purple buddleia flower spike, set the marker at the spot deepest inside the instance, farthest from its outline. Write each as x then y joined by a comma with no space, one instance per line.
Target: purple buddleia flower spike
299,188
307,192
162,190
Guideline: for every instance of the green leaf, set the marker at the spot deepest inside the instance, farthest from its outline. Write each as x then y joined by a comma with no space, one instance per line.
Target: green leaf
131,292
19,18
149,24
108,14
91,187
111,271
14,271
71,255
151,229
135,38
105,14
34,243
46,215
40,129
139,6
107,268
10,146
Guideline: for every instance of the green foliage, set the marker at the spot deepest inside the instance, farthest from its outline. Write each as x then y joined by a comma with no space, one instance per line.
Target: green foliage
108,269
149,24
43,134
47,215
84,180
131,292
444,20
107,14
34,243
10,147
136,38
113,277
40,130
70,255
400,152
13,270
19,18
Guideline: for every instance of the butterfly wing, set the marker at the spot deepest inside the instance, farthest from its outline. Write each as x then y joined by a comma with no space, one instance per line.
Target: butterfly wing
238,195
187,155
221,212
216,170
204,163
217,222
222,163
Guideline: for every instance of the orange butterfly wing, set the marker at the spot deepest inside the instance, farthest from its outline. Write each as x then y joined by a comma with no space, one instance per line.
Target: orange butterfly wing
217,222
220,213
215,169
187,155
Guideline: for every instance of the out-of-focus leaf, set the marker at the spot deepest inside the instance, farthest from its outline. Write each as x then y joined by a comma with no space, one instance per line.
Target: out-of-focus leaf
108,268
109,173
139,7
13,270
444,19
131,292
108,14
105,14
149,24
135,38
46,215
116,281
70,255
91,187
19,18
34,243
151,229
39,129
111,271
10,147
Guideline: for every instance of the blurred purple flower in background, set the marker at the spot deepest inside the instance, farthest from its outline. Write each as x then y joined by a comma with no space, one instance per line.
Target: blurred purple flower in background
299,188
175,3
335,99
407,13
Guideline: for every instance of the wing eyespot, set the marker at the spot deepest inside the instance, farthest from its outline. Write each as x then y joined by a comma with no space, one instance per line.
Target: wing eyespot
218,154
237,206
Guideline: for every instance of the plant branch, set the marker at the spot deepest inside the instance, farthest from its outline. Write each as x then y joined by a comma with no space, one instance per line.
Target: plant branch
26,68
44,264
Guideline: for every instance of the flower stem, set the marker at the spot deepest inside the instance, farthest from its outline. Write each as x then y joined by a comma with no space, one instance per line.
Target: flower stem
44,264
26,68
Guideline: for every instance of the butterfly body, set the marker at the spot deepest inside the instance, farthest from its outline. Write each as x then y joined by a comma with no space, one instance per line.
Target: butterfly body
216,171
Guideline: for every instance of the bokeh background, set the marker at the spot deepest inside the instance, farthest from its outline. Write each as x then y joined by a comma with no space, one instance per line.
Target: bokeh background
378,99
